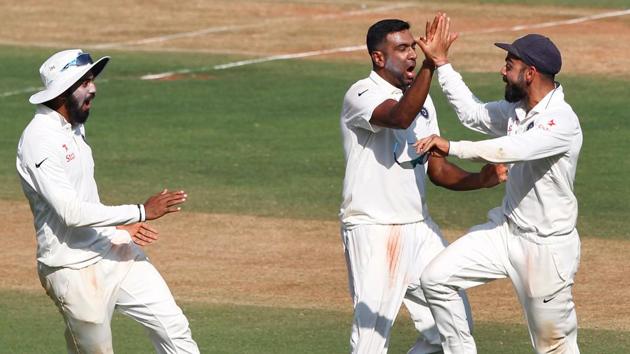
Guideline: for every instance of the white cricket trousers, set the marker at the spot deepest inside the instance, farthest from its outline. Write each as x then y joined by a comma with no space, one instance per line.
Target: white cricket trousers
123,280
384,266
541,269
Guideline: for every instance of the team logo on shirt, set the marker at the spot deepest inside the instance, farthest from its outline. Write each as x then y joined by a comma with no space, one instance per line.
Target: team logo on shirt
424,112
70,156
530,125
551,123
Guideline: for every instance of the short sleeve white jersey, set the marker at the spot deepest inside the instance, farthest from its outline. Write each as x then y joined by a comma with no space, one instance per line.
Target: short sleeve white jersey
376,190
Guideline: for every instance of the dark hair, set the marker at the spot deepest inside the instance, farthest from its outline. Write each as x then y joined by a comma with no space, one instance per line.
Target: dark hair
378,31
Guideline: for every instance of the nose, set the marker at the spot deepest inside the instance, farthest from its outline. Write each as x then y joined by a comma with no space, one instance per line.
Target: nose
92,87
503,71
412,53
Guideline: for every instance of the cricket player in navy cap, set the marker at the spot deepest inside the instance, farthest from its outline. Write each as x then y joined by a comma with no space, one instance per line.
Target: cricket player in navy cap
531,238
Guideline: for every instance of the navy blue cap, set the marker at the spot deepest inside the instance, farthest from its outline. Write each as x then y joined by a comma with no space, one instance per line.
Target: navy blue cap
536,50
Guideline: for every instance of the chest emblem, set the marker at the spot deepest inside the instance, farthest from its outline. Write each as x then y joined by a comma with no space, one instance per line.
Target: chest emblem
530,125
551,123
424,112
69,155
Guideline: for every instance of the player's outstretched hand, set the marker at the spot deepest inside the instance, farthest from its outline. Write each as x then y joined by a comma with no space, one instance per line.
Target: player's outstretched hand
141,233
493,174
437,40
433,143
163,203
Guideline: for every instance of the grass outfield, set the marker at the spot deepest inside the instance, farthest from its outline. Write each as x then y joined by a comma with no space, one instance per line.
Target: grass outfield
248,329
264,139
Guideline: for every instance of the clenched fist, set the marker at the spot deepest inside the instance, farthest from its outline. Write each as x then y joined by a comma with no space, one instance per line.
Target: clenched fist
493,174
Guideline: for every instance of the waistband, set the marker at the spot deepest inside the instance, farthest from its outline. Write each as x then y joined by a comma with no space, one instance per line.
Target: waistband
533,236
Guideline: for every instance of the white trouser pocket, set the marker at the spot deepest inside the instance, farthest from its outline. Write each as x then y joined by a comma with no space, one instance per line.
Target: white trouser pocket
79,293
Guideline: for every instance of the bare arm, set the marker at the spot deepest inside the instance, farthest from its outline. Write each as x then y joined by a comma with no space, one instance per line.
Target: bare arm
445,174
393,114
400,114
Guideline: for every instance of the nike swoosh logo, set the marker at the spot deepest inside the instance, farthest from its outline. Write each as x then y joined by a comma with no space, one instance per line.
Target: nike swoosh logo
360,93
39,164
547,300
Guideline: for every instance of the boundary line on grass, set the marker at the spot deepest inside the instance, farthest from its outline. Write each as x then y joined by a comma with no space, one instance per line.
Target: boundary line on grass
328,51
362,47
263,23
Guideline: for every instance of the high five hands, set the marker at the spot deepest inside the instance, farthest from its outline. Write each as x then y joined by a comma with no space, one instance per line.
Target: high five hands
437,40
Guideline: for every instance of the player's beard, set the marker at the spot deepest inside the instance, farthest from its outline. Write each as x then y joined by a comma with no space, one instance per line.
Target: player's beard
515,91
77,115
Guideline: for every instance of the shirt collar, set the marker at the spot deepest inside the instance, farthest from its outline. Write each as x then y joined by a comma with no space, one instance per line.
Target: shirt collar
56,117
382,83
550,99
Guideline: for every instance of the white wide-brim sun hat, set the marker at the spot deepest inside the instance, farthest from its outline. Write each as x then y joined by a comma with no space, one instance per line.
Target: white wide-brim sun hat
64,69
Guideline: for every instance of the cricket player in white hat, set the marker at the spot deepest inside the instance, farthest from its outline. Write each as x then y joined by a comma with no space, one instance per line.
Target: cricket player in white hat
88,258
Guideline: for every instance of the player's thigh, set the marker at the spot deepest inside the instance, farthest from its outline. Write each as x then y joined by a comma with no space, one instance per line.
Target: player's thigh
473,259
78,293
380,258
541,267
145,296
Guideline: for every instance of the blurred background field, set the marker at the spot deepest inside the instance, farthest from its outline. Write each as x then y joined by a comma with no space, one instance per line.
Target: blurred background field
262,140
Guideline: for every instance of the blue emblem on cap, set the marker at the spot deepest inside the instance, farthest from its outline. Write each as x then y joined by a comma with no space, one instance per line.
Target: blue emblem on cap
530,125
424,112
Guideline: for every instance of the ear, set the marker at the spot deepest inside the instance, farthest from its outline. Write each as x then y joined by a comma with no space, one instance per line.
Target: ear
378,58
530,73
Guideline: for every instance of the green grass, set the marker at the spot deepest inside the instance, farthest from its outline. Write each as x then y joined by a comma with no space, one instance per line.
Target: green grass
248,329
264,139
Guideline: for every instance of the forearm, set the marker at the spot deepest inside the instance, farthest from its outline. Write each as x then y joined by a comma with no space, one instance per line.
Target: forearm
445,174
454,178
77,213
401,114
413,100
486,118
532,145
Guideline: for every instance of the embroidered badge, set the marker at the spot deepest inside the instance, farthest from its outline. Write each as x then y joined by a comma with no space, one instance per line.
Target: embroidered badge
530,125
424,112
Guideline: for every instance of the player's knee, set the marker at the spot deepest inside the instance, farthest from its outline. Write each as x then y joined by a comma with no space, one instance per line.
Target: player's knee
430,279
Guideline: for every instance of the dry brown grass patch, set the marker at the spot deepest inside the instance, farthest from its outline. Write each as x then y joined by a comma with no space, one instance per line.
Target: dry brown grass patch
248,260
280,27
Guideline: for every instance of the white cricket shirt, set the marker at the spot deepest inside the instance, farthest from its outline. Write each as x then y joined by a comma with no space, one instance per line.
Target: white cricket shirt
375,189
542,146
57,174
